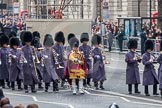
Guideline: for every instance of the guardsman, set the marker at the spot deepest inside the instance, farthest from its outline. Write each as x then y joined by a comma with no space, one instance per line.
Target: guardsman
86,50
68,48
29,68
132,71
149,75
48,61
98,75
159,60
76,67
59,50
37,45
4,59
16,64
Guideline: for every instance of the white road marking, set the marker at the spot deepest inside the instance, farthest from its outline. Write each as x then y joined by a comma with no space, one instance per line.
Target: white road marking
36,100
128,96
125,99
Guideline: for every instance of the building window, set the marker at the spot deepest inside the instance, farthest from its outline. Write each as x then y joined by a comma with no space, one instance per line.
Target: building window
119,4
153,4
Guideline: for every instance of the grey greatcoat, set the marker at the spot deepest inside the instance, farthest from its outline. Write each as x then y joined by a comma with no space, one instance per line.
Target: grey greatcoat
16,68
98,66
4,71
49,72
59,49
132,70
87,50
149,75
30,73
159,60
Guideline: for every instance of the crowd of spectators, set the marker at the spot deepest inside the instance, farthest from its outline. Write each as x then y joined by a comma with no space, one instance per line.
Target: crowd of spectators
5,103
16,22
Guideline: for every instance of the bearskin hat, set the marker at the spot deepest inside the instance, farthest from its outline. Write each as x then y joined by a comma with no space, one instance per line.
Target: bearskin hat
59,36
84,37
36,34
48,40
71,35
14,41
4,40
27,36
12,34
132,43
74,42
21,35
149,45
96,40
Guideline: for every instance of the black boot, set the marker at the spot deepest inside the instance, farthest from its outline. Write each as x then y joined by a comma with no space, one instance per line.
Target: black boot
101,85
46,87
8,83
13,85
136,89
55,86
26,88
88,82
155,90
96,85
147,91
40,85
19,85
84,83
2,83
130,88
33,89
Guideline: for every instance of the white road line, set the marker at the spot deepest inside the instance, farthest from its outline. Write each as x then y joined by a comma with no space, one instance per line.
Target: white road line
128,96
36,100
123,98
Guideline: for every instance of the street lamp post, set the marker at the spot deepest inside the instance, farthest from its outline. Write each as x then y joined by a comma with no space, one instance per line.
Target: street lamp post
139,8
150,13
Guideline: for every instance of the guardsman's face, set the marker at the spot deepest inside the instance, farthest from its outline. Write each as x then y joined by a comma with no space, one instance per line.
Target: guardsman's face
96,46
75,48
15,47
132,49
85,42
149,50
5,45
28,43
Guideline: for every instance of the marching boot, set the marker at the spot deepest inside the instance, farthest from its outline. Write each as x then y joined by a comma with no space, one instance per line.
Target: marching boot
101,85
46,87
26,88
33,89
55,86
147,91
96,85
13,85
84,83
130,88
19,85
8,83
81,89
40,85
2,83
136,89
88,82
155,90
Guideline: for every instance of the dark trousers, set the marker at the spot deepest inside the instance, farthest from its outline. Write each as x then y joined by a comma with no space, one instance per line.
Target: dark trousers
18,83
110,47
120,42
135,88
55,85
2,83
86,81
154,89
